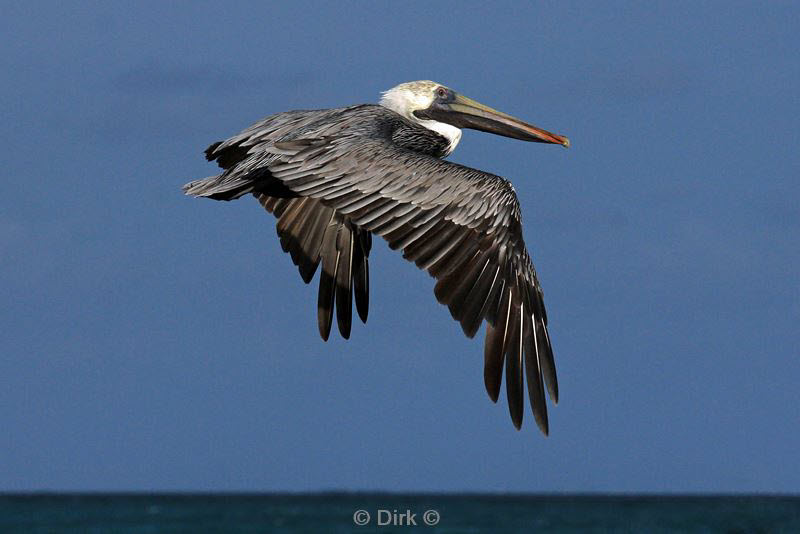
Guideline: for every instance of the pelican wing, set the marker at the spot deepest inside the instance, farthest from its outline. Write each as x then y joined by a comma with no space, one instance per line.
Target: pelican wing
310,232
315,234
459,224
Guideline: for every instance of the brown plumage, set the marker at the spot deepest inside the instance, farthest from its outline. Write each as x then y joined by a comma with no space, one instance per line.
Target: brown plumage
332,178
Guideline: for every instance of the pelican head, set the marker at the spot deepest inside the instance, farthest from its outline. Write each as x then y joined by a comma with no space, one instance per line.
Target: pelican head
444,111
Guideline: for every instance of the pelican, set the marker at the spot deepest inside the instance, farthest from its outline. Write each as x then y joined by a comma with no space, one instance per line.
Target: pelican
334,177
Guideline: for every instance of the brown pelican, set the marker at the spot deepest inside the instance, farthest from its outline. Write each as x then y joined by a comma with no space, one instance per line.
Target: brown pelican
334,177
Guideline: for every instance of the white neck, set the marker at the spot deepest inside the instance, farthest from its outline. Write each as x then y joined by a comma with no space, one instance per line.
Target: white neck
448,131
404,102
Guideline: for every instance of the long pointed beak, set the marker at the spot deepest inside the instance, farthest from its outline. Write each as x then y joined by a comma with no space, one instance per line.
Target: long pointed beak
463,112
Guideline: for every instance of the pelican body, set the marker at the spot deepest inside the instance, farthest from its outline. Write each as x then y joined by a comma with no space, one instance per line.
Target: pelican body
334,177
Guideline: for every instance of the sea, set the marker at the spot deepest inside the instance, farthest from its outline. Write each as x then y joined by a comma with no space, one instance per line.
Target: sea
393,512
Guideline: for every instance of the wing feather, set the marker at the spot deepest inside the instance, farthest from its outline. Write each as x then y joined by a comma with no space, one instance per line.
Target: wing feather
344,281
361,275
514,368
327,281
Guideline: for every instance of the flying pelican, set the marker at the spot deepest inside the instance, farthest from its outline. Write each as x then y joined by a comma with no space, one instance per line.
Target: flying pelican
334,177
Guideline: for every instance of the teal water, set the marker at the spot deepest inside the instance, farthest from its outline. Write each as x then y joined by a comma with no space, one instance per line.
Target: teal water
197,513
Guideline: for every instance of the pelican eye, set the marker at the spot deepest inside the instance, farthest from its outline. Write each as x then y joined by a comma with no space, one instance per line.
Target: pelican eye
441,92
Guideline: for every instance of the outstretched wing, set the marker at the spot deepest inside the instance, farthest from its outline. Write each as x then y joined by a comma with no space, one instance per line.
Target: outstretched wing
315,234
459,224
310,232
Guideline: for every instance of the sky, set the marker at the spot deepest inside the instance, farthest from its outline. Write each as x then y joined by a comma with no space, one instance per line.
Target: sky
151,341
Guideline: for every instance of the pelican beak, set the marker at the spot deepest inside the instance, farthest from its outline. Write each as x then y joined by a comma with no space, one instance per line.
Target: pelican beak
463,112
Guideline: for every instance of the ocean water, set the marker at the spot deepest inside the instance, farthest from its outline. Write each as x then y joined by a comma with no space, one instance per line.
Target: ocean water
370,512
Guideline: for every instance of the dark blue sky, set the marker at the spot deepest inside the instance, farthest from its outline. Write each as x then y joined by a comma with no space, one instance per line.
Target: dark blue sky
150,341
